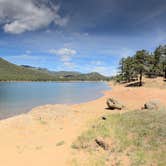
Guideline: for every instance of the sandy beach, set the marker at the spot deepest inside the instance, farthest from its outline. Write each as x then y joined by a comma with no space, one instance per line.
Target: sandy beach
44,135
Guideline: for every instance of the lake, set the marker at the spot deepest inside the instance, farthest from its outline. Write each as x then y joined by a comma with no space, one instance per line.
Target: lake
20,97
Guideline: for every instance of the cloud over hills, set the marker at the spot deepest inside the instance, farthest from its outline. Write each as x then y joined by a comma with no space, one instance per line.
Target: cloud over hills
65,55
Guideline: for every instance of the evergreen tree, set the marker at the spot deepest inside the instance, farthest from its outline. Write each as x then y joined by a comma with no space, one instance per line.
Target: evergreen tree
151,67
157,61
142,62
140,65
162,52
127,72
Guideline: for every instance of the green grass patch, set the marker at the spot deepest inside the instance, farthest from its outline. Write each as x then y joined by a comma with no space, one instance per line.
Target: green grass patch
93,159
99,129
43,122
139,135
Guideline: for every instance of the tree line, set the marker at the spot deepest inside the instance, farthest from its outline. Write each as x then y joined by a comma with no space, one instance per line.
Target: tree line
143,63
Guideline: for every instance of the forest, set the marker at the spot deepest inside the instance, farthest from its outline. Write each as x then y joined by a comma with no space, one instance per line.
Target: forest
143,63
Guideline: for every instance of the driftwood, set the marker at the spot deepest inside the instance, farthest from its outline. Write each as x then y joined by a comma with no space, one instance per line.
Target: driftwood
102,143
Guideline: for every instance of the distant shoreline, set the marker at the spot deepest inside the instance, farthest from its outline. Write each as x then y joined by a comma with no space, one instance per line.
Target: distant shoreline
56,81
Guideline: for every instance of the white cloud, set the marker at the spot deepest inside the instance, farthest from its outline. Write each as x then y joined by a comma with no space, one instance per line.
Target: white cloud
100,67
65,55
105,70
70,65
28,51
18,16
97,62
63,52
120,52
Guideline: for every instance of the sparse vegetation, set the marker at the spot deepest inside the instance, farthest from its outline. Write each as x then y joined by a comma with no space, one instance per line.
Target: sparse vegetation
42,121
60,143
138,137
39,147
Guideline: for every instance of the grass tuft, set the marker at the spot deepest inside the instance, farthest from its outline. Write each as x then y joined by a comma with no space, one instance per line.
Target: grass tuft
60,143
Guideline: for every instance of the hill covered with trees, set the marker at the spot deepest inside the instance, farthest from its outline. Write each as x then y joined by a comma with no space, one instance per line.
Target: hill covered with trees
12,72
143,63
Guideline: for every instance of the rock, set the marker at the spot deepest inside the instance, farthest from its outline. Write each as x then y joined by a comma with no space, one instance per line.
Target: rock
152,105
102,143
114,104
93,126
103,118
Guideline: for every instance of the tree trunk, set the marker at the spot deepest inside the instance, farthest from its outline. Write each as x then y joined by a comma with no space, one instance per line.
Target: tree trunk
140,79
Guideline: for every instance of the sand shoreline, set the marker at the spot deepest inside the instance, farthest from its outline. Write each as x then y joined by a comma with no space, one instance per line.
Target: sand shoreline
32,138
27,137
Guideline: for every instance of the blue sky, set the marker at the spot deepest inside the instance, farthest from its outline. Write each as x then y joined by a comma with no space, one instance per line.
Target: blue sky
76,35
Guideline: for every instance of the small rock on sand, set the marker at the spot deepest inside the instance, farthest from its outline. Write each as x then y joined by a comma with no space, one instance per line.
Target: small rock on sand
152,105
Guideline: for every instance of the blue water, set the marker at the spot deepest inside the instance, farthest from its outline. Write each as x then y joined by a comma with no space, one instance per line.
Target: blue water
20,97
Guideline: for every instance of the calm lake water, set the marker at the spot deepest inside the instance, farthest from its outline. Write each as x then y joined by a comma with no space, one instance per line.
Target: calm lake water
20,97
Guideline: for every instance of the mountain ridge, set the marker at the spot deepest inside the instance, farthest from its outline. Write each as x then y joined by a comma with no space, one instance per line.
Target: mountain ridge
13,72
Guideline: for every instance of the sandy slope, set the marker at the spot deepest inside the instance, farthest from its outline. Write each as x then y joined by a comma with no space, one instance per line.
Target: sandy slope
31,139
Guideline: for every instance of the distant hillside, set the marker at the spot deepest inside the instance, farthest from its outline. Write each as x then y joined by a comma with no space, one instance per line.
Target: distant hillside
12,72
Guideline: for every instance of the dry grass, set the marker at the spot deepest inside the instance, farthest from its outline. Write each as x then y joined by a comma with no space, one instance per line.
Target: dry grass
139,138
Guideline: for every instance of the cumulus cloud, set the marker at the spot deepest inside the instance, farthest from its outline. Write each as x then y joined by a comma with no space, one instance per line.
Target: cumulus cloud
18,16
65,55
120,52
101,67
97,62
70,65
105,70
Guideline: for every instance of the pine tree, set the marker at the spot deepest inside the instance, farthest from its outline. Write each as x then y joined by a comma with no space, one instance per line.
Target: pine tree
140,65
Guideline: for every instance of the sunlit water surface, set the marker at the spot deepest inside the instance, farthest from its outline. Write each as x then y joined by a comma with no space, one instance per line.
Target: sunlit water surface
20,97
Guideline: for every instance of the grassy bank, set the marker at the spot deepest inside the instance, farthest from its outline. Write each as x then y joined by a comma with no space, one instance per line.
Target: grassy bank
134,138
